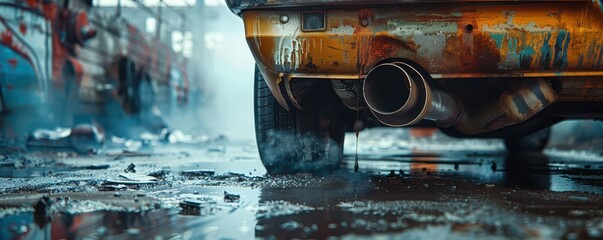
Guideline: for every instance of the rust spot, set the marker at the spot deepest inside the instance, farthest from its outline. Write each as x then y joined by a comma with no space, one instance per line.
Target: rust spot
486,54
382,47
310,66
365,15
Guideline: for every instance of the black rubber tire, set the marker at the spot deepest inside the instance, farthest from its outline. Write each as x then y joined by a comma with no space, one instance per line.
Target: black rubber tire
129,86
309,140
69,96
535,142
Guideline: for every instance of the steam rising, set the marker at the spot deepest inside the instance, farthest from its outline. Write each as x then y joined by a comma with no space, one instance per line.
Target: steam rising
226,69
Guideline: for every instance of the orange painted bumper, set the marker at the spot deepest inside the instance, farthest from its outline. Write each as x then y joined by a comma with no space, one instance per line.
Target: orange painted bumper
450,40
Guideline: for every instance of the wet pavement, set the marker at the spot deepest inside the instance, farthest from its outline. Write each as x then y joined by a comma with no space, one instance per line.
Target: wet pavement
422,188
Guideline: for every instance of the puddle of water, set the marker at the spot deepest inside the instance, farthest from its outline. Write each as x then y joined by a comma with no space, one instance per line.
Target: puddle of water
345,204
400,193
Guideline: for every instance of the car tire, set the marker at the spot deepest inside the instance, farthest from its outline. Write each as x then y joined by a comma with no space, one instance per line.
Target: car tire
69,97
129,86
308,140
535,142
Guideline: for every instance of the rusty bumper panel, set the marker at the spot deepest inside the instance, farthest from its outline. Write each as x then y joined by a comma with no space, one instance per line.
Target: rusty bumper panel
238,6
465,41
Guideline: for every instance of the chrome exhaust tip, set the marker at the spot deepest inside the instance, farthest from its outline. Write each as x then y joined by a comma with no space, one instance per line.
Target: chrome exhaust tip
399,95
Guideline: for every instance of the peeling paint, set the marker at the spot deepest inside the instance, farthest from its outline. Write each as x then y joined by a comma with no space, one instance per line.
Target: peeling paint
343,30
472,40
561,44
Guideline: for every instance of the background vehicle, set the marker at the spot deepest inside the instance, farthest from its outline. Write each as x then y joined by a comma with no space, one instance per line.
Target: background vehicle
480,69
130,69
40,41
70,69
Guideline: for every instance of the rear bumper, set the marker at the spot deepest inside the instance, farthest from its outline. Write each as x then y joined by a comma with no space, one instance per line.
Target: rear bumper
474,39
239,6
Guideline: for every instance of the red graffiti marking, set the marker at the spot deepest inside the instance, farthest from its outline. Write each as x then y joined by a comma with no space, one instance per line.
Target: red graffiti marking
32,3
12,62
23,28
6,38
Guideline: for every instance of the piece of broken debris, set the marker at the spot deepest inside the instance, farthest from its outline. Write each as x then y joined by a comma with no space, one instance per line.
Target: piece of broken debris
131,168
198,173
229,197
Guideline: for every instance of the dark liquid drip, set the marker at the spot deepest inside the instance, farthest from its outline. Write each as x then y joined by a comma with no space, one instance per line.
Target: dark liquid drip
356,161
357,128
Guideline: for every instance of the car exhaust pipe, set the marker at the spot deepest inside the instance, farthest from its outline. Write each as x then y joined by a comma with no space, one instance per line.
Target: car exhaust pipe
398,95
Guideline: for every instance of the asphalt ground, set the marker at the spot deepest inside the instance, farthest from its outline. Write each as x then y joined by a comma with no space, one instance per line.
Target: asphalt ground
431,187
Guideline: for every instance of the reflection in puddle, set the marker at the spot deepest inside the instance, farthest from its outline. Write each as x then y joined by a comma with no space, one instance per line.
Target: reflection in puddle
404,195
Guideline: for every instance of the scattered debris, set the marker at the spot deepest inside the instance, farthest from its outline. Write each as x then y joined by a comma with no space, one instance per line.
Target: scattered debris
118,187
87,138
229,197
43,205
159,136
51,134
159,173
216,149
193,207
132,179
132,145
193,202
177,136
127,153
55,138
131,168
84,138
42,211
291,225
128,182
234,177
94,166
137,177
198,173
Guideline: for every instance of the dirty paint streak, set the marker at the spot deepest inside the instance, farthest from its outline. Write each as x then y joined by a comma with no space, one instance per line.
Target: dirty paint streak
525,57
487,56
545,53
561,44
